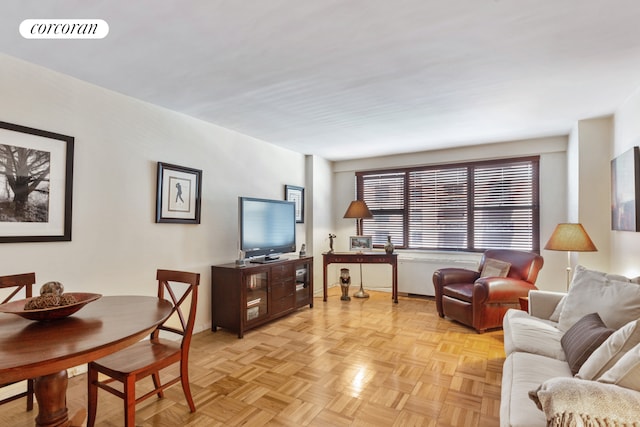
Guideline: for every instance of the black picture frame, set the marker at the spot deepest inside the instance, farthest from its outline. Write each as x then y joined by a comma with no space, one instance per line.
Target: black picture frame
178,196
295,194
43,214
625,191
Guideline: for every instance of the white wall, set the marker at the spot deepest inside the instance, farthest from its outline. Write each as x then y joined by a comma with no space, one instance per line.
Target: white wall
117,246
553,197
625,245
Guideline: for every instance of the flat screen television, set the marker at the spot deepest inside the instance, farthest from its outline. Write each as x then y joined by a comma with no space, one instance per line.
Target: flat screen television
267,228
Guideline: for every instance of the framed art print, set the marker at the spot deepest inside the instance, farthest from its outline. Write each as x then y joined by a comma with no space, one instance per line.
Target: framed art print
360,243
36,184
296,195
625,191
178,195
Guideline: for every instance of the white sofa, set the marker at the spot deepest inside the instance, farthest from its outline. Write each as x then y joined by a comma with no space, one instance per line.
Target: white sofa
574,359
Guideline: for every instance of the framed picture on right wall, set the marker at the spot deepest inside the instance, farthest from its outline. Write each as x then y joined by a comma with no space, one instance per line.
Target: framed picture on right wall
625,191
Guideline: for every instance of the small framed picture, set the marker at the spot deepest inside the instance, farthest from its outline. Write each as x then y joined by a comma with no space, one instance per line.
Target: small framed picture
296,195
360,243
178,194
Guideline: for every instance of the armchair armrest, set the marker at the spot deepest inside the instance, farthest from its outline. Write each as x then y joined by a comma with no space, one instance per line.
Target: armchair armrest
447,276
543,303
567,401
500,289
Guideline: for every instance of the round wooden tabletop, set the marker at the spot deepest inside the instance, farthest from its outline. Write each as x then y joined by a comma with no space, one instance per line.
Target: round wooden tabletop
31,349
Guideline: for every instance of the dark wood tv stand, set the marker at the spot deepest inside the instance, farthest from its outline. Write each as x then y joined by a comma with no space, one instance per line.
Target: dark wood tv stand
245,297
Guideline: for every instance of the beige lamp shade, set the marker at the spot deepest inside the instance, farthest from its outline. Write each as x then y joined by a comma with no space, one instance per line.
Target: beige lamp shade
570,237
358,209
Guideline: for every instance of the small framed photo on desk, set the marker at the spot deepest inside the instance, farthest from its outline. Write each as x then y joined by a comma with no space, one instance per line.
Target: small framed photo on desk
360,243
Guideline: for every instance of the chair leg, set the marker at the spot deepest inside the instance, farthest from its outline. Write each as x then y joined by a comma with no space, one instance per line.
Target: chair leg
92,396
130,401
157,384
30,395
186,387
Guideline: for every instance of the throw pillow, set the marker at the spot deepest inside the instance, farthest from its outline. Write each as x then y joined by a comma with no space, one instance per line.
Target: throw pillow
582,339
617,302
625,373
608,354
495,268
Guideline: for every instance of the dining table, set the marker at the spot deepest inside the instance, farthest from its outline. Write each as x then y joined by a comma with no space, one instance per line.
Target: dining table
44,350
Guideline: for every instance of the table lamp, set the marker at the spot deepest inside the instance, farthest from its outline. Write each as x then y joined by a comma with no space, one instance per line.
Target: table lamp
358,209
570,238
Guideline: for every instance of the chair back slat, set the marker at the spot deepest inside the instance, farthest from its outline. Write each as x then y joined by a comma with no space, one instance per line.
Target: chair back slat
177,287
19,282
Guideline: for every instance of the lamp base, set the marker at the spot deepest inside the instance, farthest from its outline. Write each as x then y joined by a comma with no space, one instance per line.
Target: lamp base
361,293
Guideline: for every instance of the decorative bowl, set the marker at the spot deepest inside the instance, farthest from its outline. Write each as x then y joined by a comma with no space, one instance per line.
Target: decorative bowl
49,313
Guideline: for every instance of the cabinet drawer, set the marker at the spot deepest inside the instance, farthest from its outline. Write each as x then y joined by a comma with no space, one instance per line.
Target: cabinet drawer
283,288
279,272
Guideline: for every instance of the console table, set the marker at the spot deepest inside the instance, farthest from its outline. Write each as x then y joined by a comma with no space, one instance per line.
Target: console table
361,258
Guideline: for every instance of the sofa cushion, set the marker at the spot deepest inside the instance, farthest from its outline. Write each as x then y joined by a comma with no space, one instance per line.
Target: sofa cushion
626,372
495,268
555,316
610,351
617,302
521,373
577,402
523,332
582,339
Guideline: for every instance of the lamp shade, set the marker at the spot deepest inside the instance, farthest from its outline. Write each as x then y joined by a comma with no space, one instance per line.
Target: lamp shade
570,237
358,209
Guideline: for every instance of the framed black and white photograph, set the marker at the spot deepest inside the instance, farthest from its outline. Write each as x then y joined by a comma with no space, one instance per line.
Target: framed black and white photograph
296,195
625,191
178,197
36,184
360,243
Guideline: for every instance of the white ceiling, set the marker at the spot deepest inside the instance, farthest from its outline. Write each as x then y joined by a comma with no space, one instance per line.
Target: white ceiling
355,78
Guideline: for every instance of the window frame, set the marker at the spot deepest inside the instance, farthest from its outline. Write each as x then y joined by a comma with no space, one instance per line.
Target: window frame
471,207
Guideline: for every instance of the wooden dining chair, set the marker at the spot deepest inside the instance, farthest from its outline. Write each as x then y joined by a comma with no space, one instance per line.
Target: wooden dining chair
148,357
19,282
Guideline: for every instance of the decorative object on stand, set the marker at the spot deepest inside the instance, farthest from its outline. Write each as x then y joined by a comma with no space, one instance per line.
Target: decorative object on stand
178,196
345,281
303,250
625,191
358,210
570,237
388,247
331,237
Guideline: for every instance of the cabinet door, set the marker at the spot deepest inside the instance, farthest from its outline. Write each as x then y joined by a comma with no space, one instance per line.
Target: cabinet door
257,303
282,288
303,290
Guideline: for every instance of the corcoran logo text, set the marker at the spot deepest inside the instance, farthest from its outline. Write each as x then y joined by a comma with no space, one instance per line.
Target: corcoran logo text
64,29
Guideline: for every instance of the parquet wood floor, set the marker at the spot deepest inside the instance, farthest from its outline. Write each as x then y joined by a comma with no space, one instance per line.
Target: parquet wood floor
367,362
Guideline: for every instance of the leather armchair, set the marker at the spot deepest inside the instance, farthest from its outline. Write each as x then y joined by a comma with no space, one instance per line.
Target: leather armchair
481,302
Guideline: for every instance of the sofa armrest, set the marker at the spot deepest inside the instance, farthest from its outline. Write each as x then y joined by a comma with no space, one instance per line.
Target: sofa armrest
447,276
543,303
573,401
500,289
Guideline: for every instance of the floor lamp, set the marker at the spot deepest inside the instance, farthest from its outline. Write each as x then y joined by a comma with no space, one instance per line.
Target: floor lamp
358,210
570,238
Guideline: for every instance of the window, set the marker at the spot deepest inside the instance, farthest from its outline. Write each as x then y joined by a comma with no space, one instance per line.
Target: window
471,206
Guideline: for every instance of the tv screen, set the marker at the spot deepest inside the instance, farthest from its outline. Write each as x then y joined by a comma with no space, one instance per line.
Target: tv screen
267,227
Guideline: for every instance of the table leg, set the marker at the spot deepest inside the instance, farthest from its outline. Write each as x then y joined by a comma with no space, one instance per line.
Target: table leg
51,394
324,282
394,287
